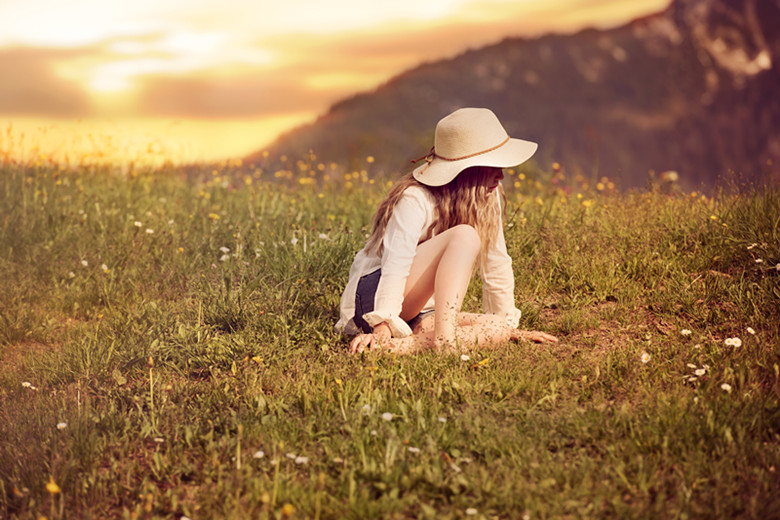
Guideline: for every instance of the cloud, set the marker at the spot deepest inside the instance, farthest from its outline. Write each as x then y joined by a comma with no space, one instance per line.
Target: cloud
30,87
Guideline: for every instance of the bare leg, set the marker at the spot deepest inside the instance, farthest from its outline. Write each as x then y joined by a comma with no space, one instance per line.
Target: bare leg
442,267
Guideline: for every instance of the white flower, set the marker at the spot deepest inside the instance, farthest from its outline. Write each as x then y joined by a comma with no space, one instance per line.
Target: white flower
691,365
224,249
750,330
323,236
338,460
700,372
373,432
149,231
293,240
697,346
387,416
412,449
301,460
62,425
170,222
685,332
759,261
777,267
291,456
224,258
137,223
71,275
464,357
442,419
84,263
159,440
471,511
366,410
726,387
733,342
184,517
645,357
26,384
751,246
104,267
259,454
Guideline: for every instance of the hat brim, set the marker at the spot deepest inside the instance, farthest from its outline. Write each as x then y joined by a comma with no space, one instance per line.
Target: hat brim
441,171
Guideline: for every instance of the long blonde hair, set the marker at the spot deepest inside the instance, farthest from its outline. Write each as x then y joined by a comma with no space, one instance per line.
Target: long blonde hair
464,200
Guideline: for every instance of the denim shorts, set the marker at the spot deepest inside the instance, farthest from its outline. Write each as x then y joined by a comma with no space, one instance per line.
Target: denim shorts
364,302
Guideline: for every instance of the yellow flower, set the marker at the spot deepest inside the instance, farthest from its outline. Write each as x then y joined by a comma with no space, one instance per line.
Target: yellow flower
52,486
587,203
288,509
213,216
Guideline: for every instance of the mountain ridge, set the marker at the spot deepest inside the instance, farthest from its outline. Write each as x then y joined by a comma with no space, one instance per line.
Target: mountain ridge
690,88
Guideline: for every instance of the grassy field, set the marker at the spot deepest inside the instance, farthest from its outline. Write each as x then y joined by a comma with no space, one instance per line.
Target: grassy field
167,351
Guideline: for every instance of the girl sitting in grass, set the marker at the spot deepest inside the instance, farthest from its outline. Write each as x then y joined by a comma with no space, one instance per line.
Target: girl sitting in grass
406,286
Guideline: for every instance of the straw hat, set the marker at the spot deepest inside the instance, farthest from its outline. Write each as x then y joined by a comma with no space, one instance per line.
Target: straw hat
470,137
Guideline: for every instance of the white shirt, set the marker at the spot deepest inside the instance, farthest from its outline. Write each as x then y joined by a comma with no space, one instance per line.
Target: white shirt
411,217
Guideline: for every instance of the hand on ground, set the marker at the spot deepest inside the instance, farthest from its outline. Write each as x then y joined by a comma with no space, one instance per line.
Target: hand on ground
534,335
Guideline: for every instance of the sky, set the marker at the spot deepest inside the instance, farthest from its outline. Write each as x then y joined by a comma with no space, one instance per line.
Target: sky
211,79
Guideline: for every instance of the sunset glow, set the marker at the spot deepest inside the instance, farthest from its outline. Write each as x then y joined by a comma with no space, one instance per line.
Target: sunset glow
268,66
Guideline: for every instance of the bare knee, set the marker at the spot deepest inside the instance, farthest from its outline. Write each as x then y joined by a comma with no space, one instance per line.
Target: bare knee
466,238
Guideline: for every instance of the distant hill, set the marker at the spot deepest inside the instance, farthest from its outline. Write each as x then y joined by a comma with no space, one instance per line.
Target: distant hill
694,88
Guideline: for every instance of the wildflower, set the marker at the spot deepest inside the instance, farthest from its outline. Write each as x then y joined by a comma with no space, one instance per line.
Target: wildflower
224,249
52,486
301,460
159,440
288,509
71,275
700,372
412,449
183,517
170,222
645,357
84,263
387,416
259,454
338,460
471,511
366,410
685,332
26,384
293,240
373,432
213,216
224,258
442,419
62,425
464,357
751,246
323,236
291,456
691,365
137,223
105,268
149,231
733,342
726,387
751,331
759,261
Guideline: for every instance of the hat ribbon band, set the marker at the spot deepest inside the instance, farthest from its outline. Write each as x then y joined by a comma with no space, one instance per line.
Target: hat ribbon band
502,143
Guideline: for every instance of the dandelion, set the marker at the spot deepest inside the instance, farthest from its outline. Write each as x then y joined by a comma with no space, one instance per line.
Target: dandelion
149,231
751,331
685,332
645,357
137,224
471,511
414,450
387,416
52,486
464,357
62,425
259,454
726,387
700,372
224,249
301,460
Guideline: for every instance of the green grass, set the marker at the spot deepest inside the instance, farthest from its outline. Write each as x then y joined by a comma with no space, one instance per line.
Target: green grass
209,339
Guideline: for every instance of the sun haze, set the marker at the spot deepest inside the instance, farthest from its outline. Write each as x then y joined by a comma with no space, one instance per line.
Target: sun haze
208,80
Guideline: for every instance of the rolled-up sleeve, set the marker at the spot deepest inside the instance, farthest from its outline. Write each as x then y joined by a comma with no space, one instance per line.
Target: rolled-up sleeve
402,234
498,282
